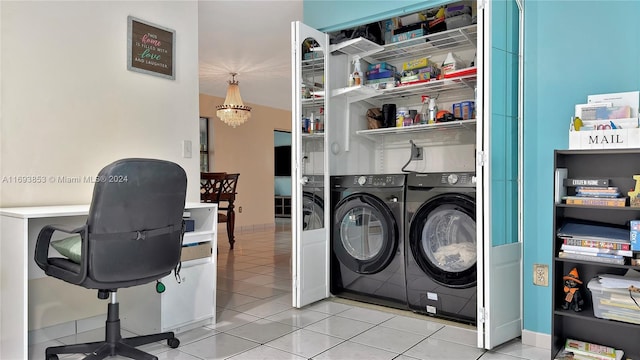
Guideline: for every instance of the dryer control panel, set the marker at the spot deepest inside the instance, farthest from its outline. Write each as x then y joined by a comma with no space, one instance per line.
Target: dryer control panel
442,179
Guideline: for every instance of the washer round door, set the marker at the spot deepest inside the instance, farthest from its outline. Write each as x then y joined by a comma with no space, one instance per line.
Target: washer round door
365,234
443,240
312,211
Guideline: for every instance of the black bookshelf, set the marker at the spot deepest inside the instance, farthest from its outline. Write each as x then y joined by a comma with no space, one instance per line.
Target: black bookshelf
618,166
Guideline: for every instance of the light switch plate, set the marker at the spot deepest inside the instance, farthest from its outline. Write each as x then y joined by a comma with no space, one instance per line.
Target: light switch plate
186,149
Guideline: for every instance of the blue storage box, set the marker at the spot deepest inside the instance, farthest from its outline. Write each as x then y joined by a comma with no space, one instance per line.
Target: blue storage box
380,74
189,225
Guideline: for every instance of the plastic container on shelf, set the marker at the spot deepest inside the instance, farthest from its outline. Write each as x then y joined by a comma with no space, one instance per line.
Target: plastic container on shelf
614,304
458,21
424,111
401,114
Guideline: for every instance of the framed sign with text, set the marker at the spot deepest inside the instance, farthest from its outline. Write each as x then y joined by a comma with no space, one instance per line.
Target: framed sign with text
151,49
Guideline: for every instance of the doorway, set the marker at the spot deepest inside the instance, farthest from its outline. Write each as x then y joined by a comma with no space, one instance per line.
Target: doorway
282,173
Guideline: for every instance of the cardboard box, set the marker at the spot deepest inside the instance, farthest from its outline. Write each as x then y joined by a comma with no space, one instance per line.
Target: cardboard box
197,251
634,235
416,64
408,35
463,110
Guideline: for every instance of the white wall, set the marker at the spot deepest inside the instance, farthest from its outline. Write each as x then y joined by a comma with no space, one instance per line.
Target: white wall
69,106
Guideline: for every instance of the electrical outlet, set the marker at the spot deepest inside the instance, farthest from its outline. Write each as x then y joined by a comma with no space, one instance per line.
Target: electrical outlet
416,153
540,274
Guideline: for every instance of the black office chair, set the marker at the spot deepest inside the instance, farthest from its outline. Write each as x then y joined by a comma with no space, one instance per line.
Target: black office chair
133,236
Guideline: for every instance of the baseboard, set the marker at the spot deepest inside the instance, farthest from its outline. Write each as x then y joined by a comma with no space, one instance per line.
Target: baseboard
66,329
92,323
536,339
255,227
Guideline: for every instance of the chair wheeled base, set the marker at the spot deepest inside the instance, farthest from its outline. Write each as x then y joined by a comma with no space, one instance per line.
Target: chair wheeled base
114,344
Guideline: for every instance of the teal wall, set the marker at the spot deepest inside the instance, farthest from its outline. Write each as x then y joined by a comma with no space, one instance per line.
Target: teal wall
330,15
572,49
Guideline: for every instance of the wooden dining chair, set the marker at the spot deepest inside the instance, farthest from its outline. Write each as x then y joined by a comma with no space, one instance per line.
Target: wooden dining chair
220,188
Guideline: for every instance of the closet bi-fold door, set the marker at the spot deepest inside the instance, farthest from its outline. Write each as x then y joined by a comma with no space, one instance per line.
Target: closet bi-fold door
310,211
499,172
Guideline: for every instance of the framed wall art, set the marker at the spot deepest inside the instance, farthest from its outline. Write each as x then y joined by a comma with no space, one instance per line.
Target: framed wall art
151,48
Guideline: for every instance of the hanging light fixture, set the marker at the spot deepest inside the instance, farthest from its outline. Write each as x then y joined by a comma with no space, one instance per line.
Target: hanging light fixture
233,112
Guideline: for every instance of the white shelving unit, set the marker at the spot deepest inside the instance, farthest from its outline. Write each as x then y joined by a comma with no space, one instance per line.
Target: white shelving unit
447,90
189,302
375,134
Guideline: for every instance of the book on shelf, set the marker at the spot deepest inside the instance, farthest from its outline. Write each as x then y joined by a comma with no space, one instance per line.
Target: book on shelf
587,350
600,244
596,201
560,188
589,230
595,251
598,254
598,191
599,195
592,258
586,182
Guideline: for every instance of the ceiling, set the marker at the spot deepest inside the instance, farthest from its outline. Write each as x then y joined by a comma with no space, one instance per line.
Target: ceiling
251,38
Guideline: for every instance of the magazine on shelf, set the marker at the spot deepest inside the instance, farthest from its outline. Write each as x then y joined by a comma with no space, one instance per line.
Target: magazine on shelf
592,351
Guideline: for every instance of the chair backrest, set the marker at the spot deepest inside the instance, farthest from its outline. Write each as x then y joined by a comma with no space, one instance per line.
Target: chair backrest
210,185
228,187
135,220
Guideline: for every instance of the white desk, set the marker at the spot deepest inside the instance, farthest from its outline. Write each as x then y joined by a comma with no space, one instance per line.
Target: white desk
19,228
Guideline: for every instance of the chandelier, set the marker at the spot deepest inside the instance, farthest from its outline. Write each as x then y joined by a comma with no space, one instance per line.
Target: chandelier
233,112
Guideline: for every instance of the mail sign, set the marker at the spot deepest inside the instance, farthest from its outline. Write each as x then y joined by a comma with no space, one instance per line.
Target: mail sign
605,139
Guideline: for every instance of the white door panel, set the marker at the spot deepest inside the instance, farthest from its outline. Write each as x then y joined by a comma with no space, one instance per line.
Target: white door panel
499,260
310,252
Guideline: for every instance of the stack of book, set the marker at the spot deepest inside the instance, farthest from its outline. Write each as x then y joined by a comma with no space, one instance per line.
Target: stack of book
594,192
596,243
582,350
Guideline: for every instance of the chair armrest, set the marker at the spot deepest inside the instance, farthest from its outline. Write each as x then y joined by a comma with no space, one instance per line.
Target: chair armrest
42,248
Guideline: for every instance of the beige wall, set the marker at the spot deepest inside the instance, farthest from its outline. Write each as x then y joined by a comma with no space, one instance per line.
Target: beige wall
248,150
69,106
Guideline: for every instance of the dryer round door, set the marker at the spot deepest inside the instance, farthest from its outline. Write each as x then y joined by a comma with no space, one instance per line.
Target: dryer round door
312,211
365,234
442,238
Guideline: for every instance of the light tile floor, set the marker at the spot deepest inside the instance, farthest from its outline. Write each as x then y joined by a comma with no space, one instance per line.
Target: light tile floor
255,319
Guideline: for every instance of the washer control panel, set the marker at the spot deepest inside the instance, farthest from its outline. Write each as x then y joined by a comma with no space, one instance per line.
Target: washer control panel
378,180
